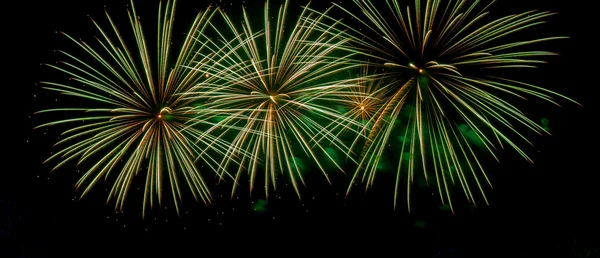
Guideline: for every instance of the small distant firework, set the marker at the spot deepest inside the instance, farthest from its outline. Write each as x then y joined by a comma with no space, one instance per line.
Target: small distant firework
360,103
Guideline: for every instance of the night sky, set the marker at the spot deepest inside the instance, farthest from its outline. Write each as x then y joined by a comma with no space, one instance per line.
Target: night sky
546,209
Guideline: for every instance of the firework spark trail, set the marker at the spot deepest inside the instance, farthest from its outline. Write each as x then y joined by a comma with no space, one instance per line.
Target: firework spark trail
268,87
136,112
442,55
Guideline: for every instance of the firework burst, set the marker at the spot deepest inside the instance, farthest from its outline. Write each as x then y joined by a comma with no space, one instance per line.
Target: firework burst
134,113
360,103
439,59
267,88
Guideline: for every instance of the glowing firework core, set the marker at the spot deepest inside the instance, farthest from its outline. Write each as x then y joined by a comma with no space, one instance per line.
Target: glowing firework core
165,109
416,68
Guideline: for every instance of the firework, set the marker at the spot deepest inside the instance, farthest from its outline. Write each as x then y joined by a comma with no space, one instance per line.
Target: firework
445,100
360,103
267,90
134,113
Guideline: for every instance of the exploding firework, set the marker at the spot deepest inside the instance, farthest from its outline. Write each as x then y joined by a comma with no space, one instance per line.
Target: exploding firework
359,103
439,59
267,90
134,113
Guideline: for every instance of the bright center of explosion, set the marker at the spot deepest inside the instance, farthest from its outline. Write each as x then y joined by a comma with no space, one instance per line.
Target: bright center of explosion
163,110
416,68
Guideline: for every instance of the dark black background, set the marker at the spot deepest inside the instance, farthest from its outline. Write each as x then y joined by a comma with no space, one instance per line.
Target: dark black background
546,209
